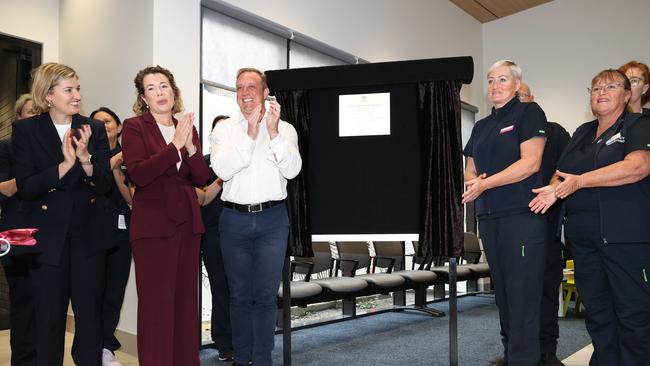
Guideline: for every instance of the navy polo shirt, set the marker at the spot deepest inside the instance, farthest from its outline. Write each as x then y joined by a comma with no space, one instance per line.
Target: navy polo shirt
616,214
495,144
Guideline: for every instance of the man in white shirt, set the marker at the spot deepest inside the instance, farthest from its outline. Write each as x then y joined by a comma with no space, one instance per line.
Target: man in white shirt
254,153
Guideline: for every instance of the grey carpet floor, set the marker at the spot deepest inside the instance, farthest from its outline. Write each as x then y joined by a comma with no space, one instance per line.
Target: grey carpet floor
410,338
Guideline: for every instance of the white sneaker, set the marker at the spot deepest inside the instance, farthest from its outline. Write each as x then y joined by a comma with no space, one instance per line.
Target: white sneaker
108,358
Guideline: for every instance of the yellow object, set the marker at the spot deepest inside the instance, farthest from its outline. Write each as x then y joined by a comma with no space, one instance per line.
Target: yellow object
569,288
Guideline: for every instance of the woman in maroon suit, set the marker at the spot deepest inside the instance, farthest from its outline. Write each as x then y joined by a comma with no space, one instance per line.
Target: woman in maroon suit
164,161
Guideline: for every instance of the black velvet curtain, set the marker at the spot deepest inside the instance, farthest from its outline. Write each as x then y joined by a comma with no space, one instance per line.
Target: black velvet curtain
441,219
295,110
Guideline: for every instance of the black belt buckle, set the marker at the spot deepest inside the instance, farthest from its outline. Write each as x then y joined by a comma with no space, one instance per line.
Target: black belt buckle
255,208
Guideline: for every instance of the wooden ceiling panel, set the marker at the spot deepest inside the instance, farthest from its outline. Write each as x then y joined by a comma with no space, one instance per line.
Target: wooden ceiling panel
487,10
475,9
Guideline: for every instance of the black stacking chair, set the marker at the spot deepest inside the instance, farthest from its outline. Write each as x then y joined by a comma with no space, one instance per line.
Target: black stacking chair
472,255
334,288
418,280
357,257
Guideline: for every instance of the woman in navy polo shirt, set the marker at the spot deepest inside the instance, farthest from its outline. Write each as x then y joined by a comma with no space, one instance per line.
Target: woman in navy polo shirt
639,76
504,154
603,177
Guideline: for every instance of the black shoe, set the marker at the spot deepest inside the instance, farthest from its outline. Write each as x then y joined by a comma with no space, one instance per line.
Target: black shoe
550,359
226,354
498,361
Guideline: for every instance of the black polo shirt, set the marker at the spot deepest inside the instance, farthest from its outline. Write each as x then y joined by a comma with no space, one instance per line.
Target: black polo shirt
116,199
620,213
557,139
495,144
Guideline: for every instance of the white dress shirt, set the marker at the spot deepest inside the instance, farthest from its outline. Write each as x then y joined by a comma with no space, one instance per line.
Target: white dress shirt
254,171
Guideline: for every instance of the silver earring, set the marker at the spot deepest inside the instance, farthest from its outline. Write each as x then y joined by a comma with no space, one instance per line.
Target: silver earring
48,104
147,106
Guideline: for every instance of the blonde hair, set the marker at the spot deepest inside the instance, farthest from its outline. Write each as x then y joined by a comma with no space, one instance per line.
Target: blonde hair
515,69
44,78
253,70
20,103
140,107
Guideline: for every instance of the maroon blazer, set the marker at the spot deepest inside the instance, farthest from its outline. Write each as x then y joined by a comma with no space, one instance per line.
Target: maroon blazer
164,196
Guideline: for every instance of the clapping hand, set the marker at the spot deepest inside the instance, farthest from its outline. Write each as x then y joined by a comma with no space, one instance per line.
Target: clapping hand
569,185
81,143
474,188
68,150
254,121
189,142
273,118
183,131
545,198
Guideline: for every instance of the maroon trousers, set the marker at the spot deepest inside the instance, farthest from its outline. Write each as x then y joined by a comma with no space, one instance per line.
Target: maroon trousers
166,272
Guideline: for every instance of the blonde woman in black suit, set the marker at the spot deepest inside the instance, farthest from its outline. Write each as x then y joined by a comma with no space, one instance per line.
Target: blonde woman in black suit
61,162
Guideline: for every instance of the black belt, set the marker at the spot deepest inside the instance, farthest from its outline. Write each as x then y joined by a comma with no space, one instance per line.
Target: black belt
251,208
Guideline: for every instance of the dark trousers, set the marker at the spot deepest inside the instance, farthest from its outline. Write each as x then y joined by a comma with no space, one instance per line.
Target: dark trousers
213,260
166,273
118,267
79,278
21,311
554,263
612,281
254,246
515,247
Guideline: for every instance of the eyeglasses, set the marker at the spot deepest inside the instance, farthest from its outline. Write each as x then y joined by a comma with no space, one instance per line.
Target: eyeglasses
606,88
635,81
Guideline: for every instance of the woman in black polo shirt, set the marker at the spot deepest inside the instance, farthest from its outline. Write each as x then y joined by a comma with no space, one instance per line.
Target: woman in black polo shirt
504,154
639,76
603,177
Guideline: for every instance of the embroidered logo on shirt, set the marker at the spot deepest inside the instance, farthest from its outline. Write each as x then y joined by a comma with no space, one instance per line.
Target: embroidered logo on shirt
541,131
507,129
614,139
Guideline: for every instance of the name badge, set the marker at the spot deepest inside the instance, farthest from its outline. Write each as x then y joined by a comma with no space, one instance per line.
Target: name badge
614,139
507,129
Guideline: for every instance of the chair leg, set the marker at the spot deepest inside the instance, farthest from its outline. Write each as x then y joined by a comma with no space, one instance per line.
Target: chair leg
421,296
439,291
472,286
399,298
350,307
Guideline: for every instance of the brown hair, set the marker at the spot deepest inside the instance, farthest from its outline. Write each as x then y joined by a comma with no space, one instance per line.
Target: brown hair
256,71
644,72
140,106
20,103
611,75
44,78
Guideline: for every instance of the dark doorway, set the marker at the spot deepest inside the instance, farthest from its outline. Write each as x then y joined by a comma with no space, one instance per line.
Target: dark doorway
17,59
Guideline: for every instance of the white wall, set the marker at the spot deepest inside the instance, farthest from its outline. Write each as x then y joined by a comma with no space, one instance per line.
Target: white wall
561,45
34,20
384,30
177,45
107,42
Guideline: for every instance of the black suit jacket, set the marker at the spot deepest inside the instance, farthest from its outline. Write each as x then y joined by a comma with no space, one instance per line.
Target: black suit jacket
74,205
9,215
